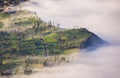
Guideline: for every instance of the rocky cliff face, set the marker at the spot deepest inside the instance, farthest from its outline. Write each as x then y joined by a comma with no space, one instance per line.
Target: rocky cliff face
93,42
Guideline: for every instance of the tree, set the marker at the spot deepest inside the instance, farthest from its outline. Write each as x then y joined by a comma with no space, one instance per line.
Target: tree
45,46
50,25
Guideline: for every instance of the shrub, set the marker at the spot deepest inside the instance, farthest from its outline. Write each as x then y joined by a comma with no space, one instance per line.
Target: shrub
1,24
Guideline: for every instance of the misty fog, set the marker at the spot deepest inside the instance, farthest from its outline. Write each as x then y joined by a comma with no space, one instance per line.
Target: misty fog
101,63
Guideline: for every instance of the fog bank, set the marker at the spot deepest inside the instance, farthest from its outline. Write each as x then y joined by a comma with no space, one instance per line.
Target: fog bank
101,63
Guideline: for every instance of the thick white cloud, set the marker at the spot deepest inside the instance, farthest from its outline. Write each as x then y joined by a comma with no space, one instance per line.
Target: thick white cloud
101,63
99,16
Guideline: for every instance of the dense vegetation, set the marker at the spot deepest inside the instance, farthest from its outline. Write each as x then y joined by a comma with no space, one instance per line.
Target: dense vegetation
52,43
27,35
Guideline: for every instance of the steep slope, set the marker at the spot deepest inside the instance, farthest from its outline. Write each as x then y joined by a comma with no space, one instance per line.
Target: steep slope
93,42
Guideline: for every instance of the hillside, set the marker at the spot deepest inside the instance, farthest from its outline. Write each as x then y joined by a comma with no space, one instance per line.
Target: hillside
23,34
26,34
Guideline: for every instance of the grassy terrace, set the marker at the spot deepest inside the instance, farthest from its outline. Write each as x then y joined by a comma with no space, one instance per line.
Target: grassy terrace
53,43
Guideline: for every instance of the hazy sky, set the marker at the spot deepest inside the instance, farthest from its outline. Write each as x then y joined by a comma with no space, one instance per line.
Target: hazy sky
99,16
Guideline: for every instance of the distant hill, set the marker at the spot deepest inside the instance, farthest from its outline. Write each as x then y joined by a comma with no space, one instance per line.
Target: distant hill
10,2
6,3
